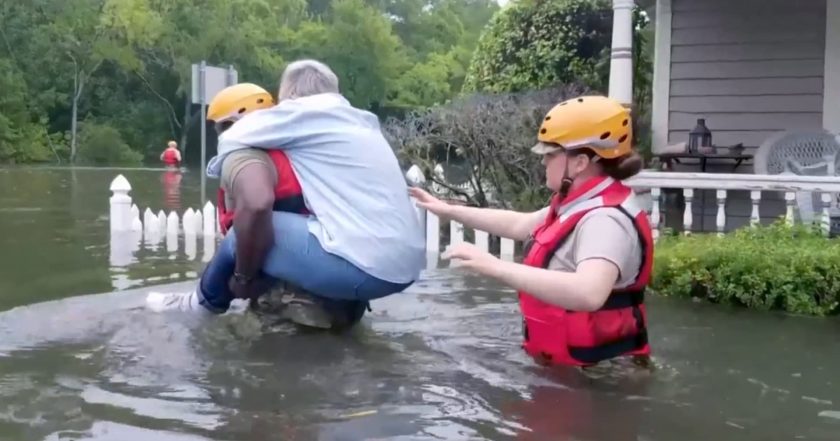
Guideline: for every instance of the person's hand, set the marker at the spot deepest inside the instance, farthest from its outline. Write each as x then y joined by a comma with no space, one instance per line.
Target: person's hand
429,202
469,256
250,290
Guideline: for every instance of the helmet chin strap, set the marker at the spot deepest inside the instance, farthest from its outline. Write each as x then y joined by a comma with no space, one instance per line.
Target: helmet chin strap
566,182
568,179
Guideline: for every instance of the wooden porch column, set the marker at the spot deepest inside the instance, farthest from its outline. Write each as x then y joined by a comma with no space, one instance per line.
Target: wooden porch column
831,78
621,59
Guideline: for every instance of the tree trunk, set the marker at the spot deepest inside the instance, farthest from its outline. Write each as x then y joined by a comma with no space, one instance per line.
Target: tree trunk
185,128
77,91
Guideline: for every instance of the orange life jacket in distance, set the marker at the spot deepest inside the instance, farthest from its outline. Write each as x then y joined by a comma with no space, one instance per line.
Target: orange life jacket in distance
553,335
170,157
288,195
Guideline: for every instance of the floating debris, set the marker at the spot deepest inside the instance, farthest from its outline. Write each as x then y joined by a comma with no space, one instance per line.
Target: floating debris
360,414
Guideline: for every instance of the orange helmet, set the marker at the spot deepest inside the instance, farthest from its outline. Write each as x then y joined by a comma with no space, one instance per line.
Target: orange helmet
598,123
232,102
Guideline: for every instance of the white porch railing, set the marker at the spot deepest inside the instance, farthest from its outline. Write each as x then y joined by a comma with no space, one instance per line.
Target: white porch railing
128,230
793,186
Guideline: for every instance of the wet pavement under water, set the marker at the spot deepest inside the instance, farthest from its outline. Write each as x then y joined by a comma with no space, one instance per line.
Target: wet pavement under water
439,361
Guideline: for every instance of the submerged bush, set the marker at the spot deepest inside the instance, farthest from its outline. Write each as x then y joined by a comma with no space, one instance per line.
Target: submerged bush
101,144
775,267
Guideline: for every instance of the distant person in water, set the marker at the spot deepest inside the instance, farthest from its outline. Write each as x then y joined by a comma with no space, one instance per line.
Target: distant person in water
171,157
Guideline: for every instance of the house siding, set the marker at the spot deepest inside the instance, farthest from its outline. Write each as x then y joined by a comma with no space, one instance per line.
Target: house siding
751,68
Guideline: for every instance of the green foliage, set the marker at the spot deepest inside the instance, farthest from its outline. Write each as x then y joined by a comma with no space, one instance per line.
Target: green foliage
21,138
776,267
534,44
486,139
101,144
127,63
359,45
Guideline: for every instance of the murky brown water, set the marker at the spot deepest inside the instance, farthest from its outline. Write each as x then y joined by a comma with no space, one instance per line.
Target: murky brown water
440,361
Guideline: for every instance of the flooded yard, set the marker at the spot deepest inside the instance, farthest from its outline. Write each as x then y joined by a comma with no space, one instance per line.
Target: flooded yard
80,358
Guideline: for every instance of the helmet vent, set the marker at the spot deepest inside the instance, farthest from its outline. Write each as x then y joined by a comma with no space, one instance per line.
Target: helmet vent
543,131
548,117
260,101
625,122
580,100
605,135
623,138
242,110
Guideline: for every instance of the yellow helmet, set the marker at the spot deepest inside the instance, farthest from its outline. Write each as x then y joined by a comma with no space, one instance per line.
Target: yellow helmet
234,101
596,122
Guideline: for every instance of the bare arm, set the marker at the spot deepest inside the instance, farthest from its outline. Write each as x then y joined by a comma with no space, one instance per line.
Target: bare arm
253,196
605,247
505,223
586,289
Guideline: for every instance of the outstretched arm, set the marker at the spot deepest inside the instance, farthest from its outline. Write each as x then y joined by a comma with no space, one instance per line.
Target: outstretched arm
505,223
605,248
585,289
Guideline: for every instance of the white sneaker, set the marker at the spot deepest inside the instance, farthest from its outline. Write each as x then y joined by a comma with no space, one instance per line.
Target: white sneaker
176,301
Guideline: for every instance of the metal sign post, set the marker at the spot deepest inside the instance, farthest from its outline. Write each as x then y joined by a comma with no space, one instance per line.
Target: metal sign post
207,81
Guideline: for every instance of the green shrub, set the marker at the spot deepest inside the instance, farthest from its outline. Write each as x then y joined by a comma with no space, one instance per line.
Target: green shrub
536,44
22,137
101,144
488,138
775,267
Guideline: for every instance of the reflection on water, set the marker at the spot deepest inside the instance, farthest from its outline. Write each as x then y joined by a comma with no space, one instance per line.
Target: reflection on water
171,180
55,240
440,361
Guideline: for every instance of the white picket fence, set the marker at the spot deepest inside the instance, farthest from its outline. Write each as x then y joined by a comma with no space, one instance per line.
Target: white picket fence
174,229
128,230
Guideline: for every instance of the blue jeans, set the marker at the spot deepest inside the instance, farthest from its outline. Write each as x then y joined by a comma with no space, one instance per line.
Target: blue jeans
297,258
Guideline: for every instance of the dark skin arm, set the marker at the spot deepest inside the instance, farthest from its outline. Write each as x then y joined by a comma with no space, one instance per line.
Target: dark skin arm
253,198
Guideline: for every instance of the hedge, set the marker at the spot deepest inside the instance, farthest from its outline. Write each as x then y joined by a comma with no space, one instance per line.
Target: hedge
776,267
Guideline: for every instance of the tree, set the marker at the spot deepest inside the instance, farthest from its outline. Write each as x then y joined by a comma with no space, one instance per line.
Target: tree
74,28
126,64
534,44
21,138
488,139
359,45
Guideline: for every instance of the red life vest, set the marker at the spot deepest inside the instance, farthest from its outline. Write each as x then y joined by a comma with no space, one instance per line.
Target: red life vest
288,195
557,336
170,157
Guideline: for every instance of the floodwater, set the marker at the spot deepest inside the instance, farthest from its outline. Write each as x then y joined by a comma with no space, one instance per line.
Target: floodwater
440,361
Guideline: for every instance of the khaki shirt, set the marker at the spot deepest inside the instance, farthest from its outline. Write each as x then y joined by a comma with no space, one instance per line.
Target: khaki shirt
233,165
604,233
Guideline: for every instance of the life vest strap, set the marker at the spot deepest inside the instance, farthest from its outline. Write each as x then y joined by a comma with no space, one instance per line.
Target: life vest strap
624,299
294,204
610,350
